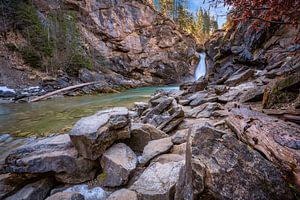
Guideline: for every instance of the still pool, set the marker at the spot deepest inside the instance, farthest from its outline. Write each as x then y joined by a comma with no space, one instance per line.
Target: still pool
59,115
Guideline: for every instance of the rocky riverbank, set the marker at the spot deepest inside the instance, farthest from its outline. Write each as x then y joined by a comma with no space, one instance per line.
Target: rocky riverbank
233,134
204,142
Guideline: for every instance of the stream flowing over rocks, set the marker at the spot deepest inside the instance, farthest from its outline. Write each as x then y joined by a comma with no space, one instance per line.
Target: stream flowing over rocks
232,134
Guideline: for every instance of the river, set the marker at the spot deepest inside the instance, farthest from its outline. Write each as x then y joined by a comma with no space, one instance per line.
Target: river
59,115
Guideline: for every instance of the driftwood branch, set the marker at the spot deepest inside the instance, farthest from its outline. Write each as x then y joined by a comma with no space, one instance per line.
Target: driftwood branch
279,141
61,90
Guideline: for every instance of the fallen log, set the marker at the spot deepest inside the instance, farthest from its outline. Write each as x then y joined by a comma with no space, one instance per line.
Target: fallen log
277,140
61,90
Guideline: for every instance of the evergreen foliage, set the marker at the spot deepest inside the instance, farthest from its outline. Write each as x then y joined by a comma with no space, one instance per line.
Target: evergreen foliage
201,25
53,41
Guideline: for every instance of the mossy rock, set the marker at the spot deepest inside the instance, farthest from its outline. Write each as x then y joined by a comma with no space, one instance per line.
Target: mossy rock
281,91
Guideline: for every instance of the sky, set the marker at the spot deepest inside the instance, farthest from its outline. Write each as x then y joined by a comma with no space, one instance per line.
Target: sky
219,12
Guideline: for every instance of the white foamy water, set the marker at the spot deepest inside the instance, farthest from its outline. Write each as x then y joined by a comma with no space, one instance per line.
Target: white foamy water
6,89
201,68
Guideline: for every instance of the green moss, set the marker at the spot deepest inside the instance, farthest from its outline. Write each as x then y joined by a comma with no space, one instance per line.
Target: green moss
102,177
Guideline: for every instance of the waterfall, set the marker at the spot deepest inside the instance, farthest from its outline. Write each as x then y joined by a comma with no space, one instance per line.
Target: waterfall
201,68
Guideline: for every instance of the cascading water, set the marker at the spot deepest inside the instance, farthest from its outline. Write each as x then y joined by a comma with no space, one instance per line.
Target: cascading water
201,68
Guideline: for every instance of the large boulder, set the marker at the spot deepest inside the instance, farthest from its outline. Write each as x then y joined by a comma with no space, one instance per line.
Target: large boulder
159,180
123,194
155,148
34,191
117,164
141,134
238,78
92,135
204,111
219,166
53,154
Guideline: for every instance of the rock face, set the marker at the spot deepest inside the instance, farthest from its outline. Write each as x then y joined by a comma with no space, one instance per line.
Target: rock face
141,134
117,164
123,194
92,135
53,154
220,166
132,44
34,191
158,181
151,55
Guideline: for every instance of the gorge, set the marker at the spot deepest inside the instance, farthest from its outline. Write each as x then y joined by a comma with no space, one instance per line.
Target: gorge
159,116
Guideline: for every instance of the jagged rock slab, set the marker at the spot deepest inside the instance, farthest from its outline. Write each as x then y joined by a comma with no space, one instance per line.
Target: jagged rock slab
117,163
66,196
159,179
140,107
204,111
155,148
158,109
173,121
141,134
219,166
235,92
53,154
34,191
123,194
277,140
239,78
166,114
180,136
252,95
92,135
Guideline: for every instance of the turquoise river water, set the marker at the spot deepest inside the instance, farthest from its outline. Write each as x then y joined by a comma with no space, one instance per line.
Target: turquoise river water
59,115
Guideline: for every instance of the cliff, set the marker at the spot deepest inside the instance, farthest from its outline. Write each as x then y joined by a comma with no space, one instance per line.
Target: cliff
119,43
